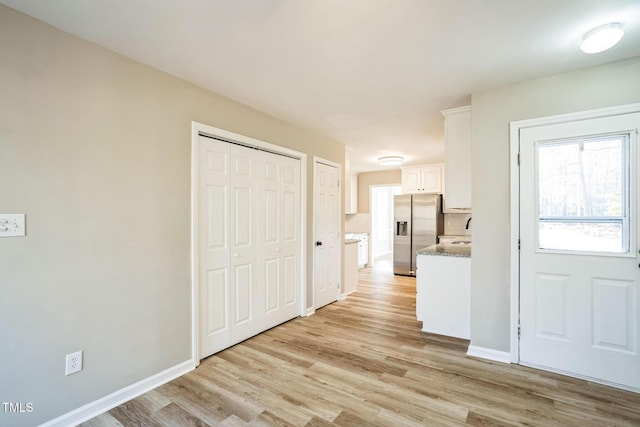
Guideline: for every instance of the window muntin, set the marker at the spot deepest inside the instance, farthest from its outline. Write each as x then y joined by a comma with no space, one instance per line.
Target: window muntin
583,194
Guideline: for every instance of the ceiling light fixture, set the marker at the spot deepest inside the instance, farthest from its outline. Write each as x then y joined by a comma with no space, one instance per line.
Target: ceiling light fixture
602,38
390,160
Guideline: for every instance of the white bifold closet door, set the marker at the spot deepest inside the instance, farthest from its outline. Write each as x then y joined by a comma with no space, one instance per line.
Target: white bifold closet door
249,246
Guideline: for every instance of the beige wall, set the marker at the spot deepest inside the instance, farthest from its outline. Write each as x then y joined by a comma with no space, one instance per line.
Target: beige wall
493,110
95,149
365,180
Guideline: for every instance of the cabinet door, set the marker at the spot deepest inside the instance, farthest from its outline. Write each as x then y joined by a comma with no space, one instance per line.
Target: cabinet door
458,158
352,196
420,285
365,252
411,180
431,179
350,268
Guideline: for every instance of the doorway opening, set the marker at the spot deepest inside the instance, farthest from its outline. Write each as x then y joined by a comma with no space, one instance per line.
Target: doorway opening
382,225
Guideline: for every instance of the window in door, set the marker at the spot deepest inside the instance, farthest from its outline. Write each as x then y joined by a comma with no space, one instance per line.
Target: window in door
583,194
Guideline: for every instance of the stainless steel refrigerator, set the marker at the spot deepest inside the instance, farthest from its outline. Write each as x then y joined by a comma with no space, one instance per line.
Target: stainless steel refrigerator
418,220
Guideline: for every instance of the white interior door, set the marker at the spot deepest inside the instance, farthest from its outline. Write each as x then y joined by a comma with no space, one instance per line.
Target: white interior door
243,200
327,265
214,273
579,263
250,251
279,238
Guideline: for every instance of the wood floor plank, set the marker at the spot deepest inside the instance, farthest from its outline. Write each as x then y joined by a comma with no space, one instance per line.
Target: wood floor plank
364,361
133,413
104,420
174,415
233,421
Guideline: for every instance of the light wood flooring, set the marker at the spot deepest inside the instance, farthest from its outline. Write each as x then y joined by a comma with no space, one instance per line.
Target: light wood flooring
363,361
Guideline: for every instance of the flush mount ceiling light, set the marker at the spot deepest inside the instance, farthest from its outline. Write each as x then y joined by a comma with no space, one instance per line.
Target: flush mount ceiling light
602,38
390,160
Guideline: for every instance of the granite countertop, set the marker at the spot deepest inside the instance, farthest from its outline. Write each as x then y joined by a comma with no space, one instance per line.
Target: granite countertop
447,249
358,235
455,237
349,241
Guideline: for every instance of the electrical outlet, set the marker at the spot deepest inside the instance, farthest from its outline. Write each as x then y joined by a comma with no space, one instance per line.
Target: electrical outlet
12,225
73,363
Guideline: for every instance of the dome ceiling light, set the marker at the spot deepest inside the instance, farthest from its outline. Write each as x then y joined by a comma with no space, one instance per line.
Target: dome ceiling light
602,38
390,160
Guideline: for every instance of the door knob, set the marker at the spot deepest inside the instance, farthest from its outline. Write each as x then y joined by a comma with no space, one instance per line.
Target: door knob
318,243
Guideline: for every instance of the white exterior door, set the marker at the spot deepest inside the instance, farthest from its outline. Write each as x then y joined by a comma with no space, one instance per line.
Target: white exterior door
579,263
326,265
249,242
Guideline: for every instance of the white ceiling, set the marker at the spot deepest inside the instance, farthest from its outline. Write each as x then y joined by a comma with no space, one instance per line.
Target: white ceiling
372,74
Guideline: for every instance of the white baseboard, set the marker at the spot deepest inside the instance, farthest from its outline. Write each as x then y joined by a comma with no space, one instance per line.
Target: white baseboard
489,353
309,312
118,397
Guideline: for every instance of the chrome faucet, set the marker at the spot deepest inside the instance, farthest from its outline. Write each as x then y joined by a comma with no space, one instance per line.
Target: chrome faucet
466,227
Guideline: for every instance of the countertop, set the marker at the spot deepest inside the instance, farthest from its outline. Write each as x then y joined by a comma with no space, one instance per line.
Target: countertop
447,249
457,237
349,241
356,236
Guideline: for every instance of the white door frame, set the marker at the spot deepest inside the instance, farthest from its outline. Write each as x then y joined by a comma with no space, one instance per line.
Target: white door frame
198,129
515,128
317,160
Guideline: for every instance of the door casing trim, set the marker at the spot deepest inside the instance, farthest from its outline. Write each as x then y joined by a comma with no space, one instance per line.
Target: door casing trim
514,136
196,130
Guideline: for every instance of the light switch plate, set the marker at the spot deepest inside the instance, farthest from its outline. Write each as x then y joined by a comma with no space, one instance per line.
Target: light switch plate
12,225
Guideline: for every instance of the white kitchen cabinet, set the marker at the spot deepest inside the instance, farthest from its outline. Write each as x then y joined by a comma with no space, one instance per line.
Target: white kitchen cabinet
422,179
457,165
362,245
350,267
350,187
363,251
443,295
352,195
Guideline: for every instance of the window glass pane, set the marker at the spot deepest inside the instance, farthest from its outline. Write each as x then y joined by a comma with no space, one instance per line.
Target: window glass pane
581,178
600,237
583,193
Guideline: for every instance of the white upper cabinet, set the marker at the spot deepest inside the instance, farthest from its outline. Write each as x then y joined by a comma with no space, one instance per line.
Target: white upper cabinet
457,165
431,178
422,179
352,195
350,187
